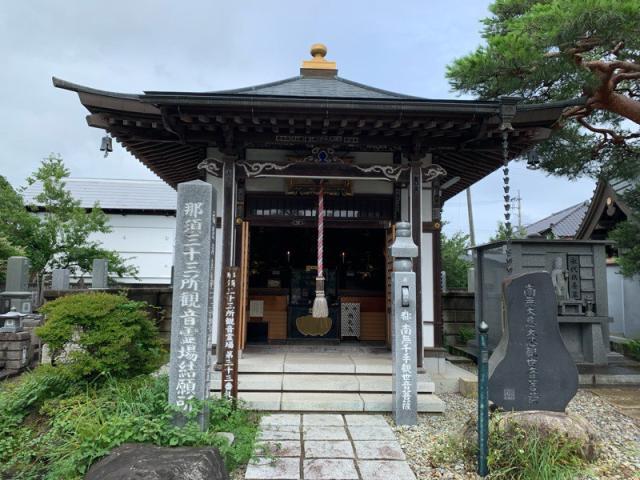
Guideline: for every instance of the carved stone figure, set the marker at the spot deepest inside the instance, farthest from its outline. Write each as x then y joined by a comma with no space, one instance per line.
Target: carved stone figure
559,277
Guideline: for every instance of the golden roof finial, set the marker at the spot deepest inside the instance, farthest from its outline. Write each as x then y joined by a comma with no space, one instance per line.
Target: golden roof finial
318,50
318,65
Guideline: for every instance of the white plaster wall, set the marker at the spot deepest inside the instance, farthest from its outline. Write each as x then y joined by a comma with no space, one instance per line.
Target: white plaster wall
426,257
623,302
146,241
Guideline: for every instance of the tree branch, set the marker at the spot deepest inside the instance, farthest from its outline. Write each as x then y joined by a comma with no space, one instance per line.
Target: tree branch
620,77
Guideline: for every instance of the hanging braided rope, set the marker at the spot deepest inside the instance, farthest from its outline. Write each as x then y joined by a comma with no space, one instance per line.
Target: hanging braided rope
507,200
321,230
320,307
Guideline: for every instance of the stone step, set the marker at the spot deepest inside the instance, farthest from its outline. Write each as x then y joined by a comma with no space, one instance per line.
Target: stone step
289,382
329,363
333,402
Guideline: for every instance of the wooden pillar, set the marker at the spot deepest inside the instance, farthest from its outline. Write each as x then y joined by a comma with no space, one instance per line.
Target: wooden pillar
438,326
415,200
228,210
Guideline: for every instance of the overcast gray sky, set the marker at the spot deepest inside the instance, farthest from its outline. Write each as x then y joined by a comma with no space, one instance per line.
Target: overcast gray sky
135,45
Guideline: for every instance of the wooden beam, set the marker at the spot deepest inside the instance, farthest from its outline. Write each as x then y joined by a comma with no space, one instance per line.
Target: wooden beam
415,199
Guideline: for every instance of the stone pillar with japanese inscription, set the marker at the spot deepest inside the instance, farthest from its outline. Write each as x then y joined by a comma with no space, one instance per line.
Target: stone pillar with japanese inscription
404,335
190,360
230,359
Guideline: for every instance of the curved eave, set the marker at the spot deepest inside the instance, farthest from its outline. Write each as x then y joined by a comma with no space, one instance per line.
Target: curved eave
145,125
150,102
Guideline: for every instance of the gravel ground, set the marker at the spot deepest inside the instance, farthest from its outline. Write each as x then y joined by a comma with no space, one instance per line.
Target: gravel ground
619,435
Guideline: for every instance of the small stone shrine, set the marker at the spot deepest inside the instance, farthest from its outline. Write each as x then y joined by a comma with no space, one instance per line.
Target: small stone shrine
189,365
531,369
579,285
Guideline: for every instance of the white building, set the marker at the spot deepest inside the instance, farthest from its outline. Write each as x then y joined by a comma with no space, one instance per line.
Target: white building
142,219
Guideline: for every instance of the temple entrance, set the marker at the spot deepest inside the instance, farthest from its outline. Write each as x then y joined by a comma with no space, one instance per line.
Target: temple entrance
282,271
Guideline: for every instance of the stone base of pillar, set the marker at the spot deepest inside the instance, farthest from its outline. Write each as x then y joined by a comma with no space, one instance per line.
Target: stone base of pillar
435,360
15,352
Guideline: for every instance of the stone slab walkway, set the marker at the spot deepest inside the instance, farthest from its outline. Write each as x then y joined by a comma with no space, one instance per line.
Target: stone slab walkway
314,446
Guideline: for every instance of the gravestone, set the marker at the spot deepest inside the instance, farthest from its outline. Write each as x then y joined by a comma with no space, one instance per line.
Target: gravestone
100,273
531,368
193,262
17,285
60,279
404,341
18,274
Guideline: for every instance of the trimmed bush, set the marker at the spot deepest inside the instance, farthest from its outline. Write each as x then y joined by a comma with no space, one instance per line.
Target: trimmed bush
101,334
63,429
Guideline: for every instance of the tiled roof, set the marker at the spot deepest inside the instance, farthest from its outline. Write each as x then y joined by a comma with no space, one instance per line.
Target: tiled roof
317,87
562,224
114,194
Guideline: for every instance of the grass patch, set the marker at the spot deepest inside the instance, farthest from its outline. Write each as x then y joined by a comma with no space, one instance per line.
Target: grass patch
516,454
55,428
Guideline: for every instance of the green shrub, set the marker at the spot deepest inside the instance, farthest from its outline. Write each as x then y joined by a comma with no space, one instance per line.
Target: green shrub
113,335
523,455
67,433
632,349
465,334
516,454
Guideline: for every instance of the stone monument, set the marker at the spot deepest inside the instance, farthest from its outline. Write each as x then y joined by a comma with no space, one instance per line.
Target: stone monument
579,273
100,273
404,341
17,288
193,262
531,368
60,279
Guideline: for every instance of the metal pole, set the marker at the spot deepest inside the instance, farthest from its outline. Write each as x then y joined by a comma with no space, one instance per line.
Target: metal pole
472,231
483,400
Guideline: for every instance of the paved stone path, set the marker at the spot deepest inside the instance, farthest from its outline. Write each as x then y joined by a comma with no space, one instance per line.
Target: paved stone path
327,447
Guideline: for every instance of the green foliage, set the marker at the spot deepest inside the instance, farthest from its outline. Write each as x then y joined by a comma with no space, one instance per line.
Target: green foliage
454,249
516,454
529,44
115,335
555,50
7,250
59,237
632,349
465,334
627,238
524,455
66,431
501,233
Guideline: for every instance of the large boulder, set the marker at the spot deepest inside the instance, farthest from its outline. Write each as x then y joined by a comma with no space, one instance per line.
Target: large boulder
133,461
573,427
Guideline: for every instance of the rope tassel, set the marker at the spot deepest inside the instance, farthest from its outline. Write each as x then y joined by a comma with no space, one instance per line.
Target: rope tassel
320,306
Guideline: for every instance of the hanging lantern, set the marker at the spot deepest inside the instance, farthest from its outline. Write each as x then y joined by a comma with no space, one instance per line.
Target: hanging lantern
107,145
533,159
